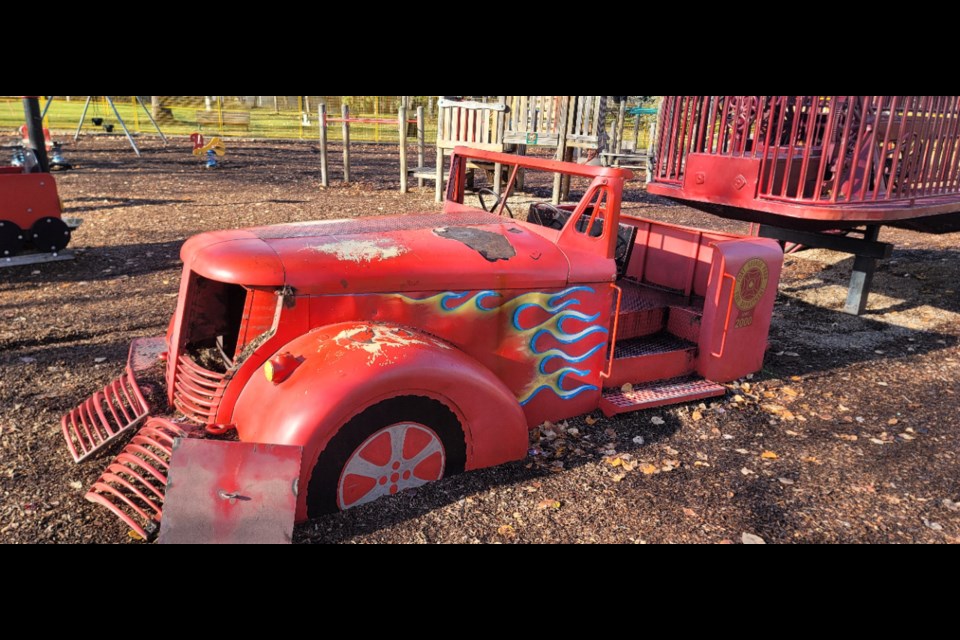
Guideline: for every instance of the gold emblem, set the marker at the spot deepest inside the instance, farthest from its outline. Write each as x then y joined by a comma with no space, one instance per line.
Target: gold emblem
751,284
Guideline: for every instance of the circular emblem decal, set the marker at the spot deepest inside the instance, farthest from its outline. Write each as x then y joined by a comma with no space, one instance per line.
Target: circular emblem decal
751,284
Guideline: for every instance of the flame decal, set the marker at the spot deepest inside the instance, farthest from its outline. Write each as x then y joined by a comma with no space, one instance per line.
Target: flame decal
559,307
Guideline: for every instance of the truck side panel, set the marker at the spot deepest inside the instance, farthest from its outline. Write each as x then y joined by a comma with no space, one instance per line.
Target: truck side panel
549,348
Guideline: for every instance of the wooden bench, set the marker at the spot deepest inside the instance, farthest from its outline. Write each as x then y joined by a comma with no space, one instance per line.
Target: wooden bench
229,118
627,160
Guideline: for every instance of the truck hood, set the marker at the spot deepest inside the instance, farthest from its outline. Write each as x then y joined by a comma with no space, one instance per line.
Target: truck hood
416,252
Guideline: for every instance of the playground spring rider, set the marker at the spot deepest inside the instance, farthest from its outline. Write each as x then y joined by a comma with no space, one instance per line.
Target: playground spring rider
31,215
212,149
55,149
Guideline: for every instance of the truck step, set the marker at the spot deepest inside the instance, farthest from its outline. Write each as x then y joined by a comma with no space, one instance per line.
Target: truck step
641,322
658,394
643,310
661,356
684,322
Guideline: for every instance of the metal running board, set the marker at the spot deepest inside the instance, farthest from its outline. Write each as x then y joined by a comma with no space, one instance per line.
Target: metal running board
113,411
36,258
133,486
658,394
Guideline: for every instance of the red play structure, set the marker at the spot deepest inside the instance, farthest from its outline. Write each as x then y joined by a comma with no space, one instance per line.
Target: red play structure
801,165
815,162
30,218
376,355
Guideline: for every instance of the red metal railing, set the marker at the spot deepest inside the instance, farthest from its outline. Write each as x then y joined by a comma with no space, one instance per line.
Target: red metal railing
197,391
822,150
134,484
109,413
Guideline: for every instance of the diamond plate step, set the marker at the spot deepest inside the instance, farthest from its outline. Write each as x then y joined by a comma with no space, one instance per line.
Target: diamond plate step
652,345
684,322
658,357
635,324
658,394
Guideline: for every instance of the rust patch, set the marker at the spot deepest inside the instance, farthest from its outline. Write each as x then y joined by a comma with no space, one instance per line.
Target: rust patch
362,251
382,344
492,246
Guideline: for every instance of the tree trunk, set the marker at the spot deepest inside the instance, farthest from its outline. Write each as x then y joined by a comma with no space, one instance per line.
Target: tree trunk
156,106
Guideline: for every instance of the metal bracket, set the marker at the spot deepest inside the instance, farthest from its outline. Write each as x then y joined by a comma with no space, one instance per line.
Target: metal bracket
866,249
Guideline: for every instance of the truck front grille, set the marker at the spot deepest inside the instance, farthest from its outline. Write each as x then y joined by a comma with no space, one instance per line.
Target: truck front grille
197,392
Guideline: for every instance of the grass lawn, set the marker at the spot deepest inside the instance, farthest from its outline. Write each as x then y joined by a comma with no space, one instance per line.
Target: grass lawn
264,123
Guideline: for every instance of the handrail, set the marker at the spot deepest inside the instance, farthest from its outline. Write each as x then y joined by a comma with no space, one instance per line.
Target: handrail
567,168
726,324
613,339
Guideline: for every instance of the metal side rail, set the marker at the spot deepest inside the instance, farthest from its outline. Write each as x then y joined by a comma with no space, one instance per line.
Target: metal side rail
116,409
133,486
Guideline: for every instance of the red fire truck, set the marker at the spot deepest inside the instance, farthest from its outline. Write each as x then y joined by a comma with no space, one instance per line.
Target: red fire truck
30,209
394,351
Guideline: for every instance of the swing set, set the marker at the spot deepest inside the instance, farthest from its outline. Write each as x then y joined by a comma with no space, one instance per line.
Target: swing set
100,105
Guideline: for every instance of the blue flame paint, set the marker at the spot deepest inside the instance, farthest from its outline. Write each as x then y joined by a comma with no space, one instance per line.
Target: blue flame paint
559,310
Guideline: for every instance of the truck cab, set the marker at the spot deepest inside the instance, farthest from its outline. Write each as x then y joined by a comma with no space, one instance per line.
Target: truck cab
394,351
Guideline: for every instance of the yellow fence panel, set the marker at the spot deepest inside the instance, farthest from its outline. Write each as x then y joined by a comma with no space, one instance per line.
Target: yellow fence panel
268,117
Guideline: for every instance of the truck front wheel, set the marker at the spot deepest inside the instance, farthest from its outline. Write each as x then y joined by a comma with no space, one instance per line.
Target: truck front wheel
398,444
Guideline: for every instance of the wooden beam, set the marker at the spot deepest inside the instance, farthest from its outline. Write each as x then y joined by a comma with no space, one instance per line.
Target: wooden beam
402,124
421,144
467,104
439,178
345,113
324,169
565,112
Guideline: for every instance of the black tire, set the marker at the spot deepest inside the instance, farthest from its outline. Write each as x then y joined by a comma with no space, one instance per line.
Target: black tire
12,239
49,235
324,481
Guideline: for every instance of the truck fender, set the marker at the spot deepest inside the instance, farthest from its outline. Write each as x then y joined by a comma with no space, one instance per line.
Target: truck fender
348,367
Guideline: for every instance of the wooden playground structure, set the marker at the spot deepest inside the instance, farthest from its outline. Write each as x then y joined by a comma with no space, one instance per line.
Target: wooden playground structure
574,127
516,123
